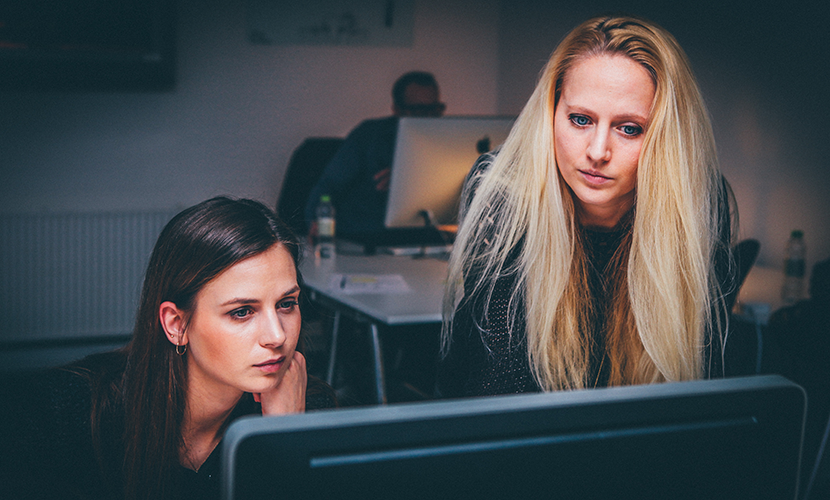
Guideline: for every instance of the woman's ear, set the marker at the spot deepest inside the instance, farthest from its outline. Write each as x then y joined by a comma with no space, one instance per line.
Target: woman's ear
172,321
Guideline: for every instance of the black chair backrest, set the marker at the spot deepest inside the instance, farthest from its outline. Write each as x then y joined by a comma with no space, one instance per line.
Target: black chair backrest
745,252
304,169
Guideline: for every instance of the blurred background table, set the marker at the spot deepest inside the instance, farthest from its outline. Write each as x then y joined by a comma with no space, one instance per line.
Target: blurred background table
376,291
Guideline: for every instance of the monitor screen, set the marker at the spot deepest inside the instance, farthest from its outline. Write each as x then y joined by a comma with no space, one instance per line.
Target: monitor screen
432,157
733,438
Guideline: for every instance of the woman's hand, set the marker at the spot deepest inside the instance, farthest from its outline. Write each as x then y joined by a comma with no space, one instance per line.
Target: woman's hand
289,395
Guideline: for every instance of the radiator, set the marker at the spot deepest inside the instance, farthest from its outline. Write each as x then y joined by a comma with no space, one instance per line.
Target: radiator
73,276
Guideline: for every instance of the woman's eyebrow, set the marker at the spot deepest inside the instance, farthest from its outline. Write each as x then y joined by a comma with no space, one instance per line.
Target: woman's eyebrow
294,289
245,301
634,117
241,301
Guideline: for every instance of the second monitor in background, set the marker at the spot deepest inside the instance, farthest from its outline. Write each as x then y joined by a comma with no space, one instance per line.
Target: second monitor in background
432,157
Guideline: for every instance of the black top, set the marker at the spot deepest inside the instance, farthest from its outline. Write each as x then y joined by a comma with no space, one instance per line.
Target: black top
485,359
46,449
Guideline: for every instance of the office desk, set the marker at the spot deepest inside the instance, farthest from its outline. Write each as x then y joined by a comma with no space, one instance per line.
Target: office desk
420,304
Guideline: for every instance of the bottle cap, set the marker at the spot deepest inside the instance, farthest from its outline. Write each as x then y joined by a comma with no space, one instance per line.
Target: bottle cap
325,198
797,233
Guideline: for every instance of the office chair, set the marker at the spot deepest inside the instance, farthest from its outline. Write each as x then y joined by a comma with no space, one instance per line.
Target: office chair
304,169
820,475
738,343
745,252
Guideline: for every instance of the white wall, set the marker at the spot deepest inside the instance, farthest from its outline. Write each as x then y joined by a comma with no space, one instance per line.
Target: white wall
236,114
763,67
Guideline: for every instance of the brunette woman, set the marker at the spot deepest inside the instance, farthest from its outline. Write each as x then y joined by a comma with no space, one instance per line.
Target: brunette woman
216,337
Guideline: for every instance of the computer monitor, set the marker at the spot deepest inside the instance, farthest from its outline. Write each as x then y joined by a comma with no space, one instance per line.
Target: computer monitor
733,438
432,157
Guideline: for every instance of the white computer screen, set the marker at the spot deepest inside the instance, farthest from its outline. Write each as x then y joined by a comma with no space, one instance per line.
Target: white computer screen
432,157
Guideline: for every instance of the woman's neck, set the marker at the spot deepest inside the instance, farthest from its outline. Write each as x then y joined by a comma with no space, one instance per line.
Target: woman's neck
602,218
197,447
204,421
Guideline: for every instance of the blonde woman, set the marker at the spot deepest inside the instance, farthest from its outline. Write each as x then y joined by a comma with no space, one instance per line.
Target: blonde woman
594,246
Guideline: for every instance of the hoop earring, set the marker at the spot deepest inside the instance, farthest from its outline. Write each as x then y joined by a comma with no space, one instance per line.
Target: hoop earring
182,351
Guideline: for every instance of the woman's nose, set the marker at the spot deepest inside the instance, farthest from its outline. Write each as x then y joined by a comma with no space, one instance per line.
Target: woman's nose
598,148
272,333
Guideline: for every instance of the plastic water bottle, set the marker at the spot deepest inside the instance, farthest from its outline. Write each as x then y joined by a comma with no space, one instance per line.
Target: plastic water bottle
794,266
324,249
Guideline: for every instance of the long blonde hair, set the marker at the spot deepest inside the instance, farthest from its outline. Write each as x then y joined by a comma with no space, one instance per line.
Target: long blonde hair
665,287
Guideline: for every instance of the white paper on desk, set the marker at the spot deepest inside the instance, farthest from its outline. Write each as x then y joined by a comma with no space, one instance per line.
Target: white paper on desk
368,283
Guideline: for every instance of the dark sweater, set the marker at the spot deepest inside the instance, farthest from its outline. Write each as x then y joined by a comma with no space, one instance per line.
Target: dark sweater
47,447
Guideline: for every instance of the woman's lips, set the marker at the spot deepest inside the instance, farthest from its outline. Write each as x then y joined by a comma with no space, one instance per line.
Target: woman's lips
270,366
594,177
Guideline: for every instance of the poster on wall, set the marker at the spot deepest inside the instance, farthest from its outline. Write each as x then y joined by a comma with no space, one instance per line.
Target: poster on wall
331,22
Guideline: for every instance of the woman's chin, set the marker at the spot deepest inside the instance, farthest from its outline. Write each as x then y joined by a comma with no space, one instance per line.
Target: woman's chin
271,383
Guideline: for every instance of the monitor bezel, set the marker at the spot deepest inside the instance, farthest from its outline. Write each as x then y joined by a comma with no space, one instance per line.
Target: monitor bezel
769,401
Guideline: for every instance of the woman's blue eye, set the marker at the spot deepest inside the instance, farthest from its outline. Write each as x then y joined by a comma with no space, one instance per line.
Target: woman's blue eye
580,120
240,313
631,130
288,304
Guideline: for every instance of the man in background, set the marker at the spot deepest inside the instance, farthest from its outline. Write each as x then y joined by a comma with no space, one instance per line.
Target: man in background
357,177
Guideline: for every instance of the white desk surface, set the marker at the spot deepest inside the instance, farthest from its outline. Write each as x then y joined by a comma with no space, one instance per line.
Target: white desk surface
422,303
426,277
